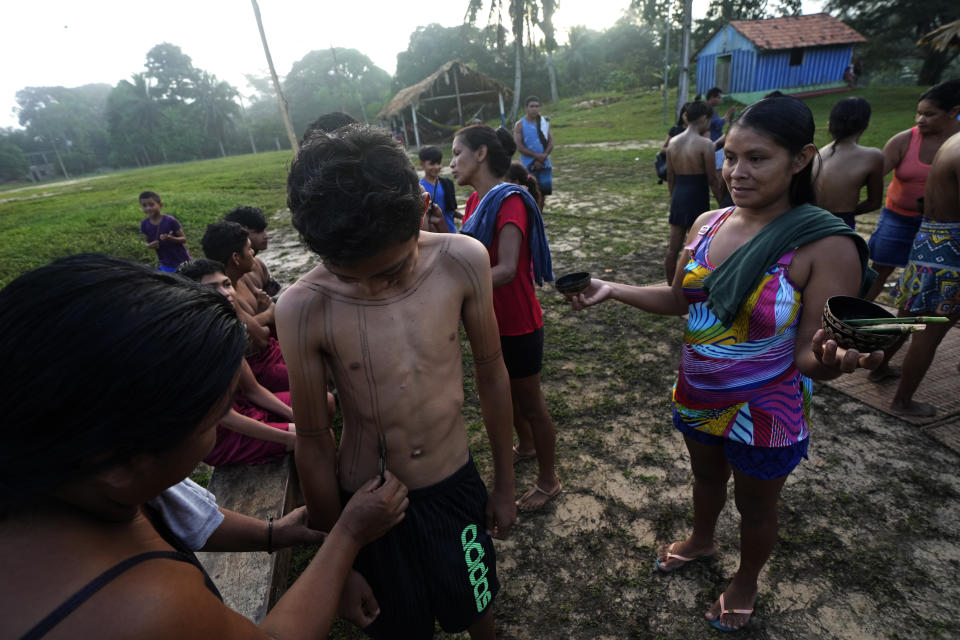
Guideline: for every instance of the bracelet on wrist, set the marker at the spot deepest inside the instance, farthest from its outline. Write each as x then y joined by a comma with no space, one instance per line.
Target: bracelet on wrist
270,535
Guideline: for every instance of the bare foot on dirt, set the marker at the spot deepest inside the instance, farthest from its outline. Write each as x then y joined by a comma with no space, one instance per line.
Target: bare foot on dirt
537,496
913,409
883,374
732,610
676,554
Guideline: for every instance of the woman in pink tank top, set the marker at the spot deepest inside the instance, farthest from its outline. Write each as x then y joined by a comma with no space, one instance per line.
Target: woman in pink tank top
909,154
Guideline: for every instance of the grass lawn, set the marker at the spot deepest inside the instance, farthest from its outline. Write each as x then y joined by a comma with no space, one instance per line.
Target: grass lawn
101,213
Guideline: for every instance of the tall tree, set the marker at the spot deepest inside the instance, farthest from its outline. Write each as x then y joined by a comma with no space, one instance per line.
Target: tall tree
13,164
334,79
550,43
522,13
173,74
892,28
216,107
134,120
70,121
433,45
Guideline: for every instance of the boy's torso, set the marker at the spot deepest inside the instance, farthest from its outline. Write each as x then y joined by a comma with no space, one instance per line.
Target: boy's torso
397,365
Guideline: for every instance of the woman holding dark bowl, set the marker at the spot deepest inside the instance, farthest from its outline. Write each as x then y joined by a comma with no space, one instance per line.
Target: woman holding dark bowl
756,279
114,379
506,219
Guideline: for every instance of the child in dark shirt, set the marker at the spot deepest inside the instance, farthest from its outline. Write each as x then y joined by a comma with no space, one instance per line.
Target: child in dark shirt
163,233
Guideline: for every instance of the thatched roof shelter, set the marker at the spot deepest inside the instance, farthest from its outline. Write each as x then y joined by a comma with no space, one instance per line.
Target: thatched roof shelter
944,37
446,100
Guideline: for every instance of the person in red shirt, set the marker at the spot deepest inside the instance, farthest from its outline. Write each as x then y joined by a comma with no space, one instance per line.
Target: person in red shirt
507,220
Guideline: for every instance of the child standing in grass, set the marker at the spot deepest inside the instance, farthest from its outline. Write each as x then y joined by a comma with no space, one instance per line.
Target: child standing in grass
163,233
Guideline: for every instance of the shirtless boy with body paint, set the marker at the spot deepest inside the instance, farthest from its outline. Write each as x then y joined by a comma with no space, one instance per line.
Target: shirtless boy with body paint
381,316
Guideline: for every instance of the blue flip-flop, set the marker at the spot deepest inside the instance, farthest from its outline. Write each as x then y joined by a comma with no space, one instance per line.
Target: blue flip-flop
723,610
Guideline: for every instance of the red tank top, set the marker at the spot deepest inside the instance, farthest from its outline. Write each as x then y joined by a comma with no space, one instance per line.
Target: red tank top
909,180
516,304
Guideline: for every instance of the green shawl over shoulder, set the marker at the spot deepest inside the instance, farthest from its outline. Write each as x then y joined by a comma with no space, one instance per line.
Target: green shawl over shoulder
728,286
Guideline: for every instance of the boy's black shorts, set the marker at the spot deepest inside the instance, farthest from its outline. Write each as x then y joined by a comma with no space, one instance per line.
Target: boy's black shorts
523,355
437,564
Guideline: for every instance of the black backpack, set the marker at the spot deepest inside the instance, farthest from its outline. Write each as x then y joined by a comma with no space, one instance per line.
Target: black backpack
660,165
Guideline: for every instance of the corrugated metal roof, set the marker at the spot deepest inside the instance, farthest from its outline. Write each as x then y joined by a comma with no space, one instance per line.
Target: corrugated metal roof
815,30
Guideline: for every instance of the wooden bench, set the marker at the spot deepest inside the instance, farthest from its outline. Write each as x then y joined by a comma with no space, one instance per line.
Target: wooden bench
251,582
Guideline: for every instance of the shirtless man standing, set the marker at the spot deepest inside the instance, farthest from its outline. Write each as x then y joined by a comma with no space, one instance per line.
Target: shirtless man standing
381,316
691,177
845,167
930,283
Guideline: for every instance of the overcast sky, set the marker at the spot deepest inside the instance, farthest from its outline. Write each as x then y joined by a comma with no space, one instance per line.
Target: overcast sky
71,43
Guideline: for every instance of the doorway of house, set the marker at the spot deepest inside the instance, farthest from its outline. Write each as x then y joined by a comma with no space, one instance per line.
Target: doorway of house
722,73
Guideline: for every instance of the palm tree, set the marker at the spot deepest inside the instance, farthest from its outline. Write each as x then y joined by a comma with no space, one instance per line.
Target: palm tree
943,37
216,106
521,12
550,44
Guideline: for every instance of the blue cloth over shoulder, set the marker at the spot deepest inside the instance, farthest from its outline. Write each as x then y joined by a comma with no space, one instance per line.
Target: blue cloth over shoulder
483,224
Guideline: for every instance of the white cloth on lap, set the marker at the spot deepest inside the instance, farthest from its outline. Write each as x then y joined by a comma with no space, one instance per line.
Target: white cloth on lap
190,511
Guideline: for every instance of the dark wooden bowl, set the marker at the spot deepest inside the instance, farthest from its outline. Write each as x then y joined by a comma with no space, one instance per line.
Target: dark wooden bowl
572,283
840,308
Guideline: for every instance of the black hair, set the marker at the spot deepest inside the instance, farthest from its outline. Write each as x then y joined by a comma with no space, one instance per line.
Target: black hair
249,217
697,110
849,117
105,360
151,195
716,91
499,143
353,193
683,112
517,173
532,99
197,268
223,239
945,95
328,122
430,154
789,122
697,98
776,93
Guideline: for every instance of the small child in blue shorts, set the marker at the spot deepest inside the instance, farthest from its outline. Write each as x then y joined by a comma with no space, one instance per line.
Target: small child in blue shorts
163,233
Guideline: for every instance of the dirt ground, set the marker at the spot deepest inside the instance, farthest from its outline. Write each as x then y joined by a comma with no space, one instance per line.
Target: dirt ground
869,526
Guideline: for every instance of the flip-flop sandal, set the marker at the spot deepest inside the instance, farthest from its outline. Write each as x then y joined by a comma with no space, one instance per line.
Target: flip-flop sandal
517,456
673,556
723,610
535,489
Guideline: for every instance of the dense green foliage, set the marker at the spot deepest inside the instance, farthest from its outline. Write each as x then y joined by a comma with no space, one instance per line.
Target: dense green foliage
334,79
892,30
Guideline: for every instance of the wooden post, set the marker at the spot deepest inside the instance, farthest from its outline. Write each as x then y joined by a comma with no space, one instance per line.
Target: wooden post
284,113
403,128
456,89
683,90
59,159
416,129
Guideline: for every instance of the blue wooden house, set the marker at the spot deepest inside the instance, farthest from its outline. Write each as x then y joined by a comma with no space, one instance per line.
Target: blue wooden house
747,58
